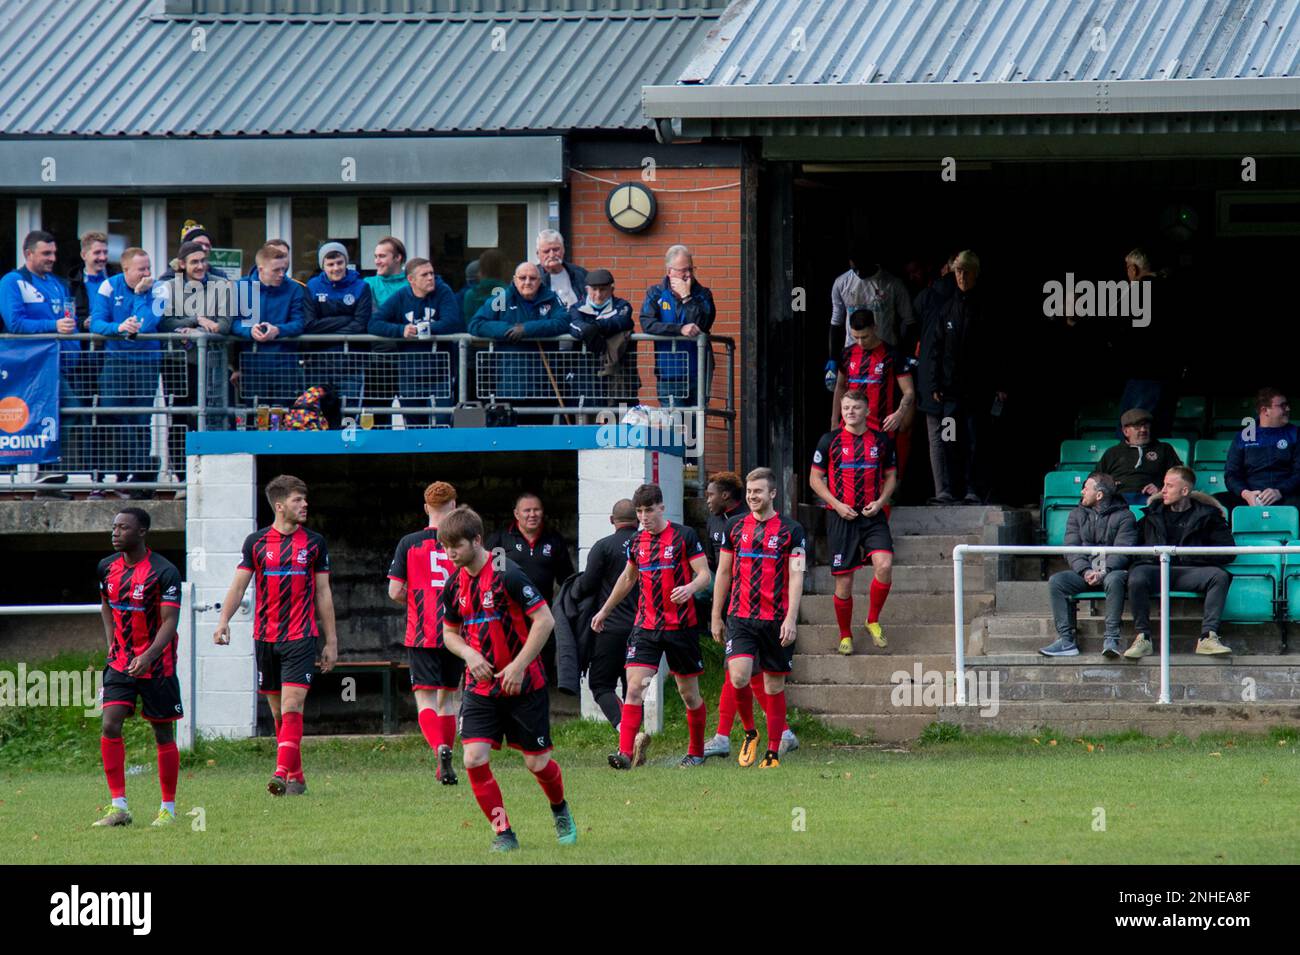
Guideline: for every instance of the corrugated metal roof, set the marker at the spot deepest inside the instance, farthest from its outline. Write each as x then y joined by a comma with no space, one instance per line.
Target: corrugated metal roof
764,43
121,68
406,8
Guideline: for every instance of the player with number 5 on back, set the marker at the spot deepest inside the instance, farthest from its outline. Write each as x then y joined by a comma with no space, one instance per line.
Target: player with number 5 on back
420,571
290,568
495,620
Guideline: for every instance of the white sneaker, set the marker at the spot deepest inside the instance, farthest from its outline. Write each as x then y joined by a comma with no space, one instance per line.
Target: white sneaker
718,746
789,742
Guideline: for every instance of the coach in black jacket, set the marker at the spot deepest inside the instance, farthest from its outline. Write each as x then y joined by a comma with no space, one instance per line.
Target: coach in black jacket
605,563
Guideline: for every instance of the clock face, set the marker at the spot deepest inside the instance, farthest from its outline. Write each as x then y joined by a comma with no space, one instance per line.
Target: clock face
630,207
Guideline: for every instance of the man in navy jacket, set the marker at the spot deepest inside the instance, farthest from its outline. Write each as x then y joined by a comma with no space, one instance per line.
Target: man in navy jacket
1264,470
525,310
338,302
679,306
425,307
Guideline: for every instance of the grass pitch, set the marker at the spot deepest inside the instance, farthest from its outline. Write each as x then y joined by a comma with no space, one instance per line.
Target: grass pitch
944,800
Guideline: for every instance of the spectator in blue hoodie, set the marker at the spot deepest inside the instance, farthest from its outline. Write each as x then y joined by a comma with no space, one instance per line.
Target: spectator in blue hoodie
527,310
120,309
338,302
34,302
678,306
1264,470
417,313
270,372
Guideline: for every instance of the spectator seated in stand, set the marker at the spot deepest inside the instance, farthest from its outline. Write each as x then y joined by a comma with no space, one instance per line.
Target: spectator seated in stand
1140,462
1263,465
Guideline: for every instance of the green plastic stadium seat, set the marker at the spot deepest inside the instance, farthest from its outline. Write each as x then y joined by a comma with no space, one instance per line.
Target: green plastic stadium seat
1106,437
1229,412
1190,412
1099,415
1269,524
1210,451
1139,511
1077,454
1210,480
1061,491
1226,434
1182,448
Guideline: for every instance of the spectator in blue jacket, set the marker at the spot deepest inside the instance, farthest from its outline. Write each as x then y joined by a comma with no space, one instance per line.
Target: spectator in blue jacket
1265,469
338,302
417,312
678,306
120,309
528,310
34,302
270,372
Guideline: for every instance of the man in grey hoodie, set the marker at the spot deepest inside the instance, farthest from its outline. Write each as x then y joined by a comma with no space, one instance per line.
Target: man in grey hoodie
1102,519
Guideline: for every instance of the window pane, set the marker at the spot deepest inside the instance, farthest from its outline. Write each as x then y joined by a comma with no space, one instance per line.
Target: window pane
60,217
234,222
124,230
8,241
448,233
310,218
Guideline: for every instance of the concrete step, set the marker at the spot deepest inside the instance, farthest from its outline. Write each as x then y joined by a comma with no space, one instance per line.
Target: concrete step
1077,719
852,698
955,519
932,548
908,579
905,639
866,670
905,608
882,728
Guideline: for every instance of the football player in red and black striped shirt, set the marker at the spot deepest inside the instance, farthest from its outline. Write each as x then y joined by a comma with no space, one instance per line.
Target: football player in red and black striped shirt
140,602
668,564
419,573
878,371
495,620
290,568
853,473
760,580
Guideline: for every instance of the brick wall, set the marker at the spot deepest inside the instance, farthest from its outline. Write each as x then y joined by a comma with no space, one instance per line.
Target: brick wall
708,222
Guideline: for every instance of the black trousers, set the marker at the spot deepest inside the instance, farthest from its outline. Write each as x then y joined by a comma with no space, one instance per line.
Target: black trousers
605,671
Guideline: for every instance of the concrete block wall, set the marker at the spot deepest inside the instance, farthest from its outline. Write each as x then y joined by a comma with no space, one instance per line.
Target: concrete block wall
606,475
221,510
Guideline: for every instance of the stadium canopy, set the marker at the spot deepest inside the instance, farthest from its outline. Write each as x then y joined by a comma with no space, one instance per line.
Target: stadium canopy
249,71
875,79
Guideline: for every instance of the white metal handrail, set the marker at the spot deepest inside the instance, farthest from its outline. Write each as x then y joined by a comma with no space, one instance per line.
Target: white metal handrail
1163,552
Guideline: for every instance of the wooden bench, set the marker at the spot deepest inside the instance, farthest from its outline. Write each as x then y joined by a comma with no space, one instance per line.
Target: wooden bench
386,669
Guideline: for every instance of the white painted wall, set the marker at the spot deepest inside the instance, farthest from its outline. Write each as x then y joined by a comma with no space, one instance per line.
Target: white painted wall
221,510
606,475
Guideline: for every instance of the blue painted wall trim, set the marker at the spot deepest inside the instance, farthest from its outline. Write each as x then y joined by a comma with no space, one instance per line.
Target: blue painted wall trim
427,440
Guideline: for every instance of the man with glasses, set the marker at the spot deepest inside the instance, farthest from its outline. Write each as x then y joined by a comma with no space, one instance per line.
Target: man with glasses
681,307
1138,463
1263,466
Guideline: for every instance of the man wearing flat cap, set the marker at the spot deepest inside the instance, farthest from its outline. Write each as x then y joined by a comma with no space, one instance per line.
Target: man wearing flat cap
1139,463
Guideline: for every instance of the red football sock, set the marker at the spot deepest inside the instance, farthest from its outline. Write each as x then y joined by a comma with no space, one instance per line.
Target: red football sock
775,709
552,782
745,704
844,616
169,767
448,730
760,690
726,708
288,755
695,721
627,728
488,794
114,753
431,727
879,592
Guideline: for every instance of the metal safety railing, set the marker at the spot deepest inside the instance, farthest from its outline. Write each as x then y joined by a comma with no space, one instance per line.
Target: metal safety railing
128,410
1164,553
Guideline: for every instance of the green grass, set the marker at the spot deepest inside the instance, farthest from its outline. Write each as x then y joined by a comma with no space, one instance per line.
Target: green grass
949,799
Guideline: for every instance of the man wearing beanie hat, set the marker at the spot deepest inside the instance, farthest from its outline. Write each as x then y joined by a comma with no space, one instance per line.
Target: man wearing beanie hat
1139,463
338,302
